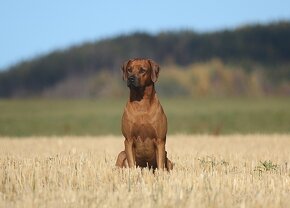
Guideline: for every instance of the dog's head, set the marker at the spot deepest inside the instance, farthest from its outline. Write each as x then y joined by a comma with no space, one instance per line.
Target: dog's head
140,72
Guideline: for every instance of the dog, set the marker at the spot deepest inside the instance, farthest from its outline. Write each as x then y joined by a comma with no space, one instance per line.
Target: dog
144,123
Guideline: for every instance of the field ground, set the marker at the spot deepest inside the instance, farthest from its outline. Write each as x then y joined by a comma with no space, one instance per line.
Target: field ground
210,171
101,117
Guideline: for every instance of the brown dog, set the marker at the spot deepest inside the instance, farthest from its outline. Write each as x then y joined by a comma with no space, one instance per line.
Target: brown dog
144,124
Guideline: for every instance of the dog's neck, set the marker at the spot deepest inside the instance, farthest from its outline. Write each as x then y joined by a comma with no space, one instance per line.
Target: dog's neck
143,97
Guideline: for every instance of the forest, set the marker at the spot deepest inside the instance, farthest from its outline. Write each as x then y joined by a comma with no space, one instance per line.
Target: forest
252,60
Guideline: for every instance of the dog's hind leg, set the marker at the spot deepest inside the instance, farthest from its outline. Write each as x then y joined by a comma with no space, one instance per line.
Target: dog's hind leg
122,160
168,163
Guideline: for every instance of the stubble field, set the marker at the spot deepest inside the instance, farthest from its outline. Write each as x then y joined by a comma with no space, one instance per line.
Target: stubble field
210,171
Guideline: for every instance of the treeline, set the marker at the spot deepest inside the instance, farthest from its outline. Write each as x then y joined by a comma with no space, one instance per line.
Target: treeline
266,47
209,79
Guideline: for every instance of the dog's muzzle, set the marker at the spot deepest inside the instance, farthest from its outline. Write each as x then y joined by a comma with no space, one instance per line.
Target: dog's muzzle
132,81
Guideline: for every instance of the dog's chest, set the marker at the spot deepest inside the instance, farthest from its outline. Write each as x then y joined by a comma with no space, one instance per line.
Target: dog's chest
144,124
140,124
143,130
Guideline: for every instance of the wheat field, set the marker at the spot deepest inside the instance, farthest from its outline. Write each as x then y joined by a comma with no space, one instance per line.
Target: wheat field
209,171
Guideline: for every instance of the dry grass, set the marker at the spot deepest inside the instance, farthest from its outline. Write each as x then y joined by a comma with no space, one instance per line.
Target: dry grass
225,171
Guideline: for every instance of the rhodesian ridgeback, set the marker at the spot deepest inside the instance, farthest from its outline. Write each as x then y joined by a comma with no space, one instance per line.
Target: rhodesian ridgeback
144,124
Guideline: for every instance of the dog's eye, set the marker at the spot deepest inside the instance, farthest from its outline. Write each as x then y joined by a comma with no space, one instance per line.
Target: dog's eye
142,70
130,70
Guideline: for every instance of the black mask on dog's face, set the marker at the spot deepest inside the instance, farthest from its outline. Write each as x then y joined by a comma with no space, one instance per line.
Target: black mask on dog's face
133,81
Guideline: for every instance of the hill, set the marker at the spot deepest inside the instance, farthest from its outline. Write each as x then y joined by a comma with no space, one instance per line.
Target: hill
75,71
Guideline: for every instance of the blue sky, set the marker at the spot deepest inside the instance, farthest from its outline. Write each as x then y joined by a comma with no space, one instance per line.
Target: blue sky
33,27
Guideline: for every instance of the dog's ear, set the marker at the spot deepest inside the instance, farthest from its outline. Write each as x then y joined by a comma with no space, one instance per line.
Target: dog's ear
155,70
124,69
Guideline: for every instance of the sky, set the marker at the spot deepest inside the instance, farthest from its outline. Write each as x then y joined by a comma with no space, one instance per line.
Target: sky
30,28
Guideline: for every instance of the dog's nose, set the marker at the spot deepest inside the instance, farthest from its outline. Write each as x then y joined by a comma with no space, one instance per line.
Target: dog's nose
131,78
132,81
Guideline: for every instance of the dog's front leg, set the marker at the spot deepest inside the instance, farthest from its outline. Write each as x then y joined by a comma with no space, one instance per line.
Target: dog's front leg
129,152
160,153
